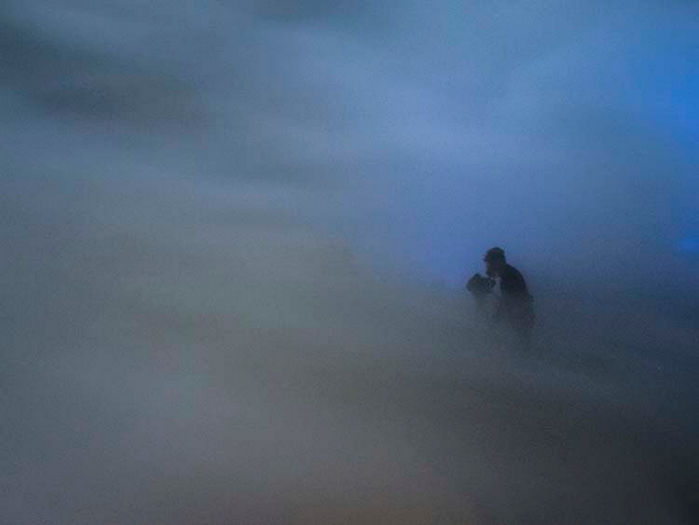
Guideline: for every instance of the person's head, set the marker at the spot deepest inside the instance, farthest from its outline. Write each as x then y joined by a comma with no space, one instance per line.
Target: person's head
494,261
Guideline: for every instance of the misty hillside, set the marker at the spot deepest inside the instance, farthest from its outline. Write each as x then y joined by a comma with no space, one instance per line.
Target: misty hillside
202,369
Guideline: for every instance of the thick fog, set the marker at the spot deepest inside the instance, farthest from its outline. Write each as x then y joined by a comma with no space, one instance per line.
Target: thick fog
236,237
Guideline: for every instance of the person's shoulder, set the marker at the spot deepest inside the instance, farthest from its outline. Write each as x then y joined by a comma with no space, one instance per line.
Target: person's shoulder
510,272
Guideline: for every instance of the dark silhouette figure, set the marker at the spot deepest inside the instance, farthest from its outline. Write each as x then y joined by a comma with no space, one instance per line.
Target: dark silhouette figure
515,306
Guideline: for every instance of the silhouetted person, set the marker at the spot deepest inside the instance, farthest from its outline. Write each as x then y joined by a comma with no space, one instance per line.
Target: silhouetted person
515,307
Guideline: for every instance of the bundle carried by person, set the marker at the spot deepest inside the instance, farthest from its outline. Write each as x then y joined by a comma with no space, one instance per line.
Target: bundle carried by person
479,285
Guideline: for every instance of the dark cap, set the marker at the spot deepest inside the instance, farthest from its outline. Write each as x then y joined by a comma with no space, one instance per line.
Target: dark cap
494,254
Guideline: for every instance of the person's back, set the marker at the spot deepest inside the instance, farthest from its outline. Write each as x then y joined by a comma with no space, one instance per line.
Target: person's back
515,300
513,288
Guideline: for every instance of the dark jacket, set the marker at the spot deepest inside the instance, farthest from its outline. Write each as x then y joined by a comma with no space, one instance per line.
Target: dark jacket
515,303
